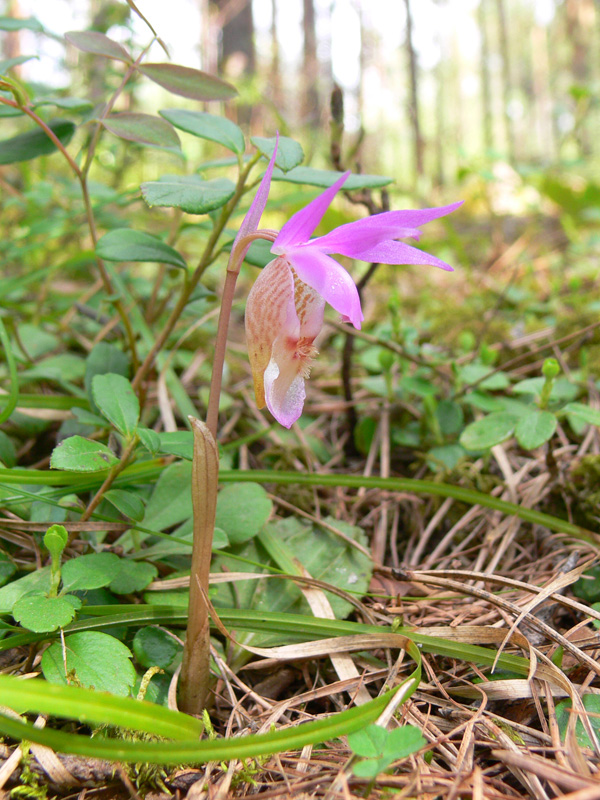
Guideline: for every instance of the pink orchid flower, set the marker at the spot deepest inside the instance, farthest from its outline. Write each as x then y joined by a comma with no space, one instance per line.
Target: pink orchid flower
284,311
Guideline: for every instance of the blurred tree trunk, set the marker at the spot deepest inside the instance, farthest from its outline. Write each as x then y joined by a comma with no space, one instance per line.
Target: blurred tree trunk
486,91
440,113
275,71
413,107
542,94
11,42
310,66
580,16
506,79
236,54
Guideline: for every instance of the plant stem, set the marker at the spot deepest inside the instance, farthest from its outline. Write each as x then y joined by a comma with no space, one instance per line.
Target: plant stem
192,281
233,270
195,673
108,481
13,394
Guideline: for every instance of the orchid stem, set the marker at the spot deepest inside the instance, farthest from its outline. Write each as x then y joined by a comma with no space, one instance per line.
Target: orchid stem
233,270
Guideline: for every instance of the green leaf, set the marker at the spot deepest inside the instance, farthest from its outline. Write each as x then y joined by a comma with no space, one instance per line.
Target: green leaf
98,44
582,412
34,143
242,510
591,704
82,455
476,373
132,576
9,63
128,503
188,82
7,569
124,244
588,586
324,178
489,431
154,647
382,751
103,358
90,572
36,582
142,128
69,103
8,453
177,443
97,708
448,454
116,400
149,439
189,193
44,614
207,126
21,23
535,428
369,742
98,660
450,417
289,152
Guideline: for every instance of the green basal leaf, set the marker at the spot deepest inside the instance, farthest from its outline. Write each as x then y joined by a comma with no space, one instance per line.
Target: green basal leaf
103,358
154,647
97,660
90,571
242,510
132,576
10,24
582,412
535,428
44,614
489,431
125,244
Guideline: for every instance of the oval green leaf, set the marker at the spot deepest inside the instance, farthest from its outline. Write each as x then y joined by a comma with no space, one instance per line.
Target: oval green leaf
242,510
124,244
489,431
189,193
90,572
32,144
129,504
98,44
43,614
116,401
142,128
98,660
289,152
535,428
77,454
188,82
582,412
207,126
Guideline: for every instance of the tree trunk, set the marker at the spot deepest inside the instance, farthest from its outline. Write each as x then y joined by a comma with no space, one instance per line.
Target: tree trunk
486,91
413,106
506,79
236,54
275,71
310,67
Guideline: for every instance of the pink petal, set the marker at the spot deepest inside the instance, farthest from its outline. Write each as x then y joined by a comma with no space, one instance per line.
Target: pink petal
299,227
329,279
270,313
284,391
400,253
354,238
252,218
